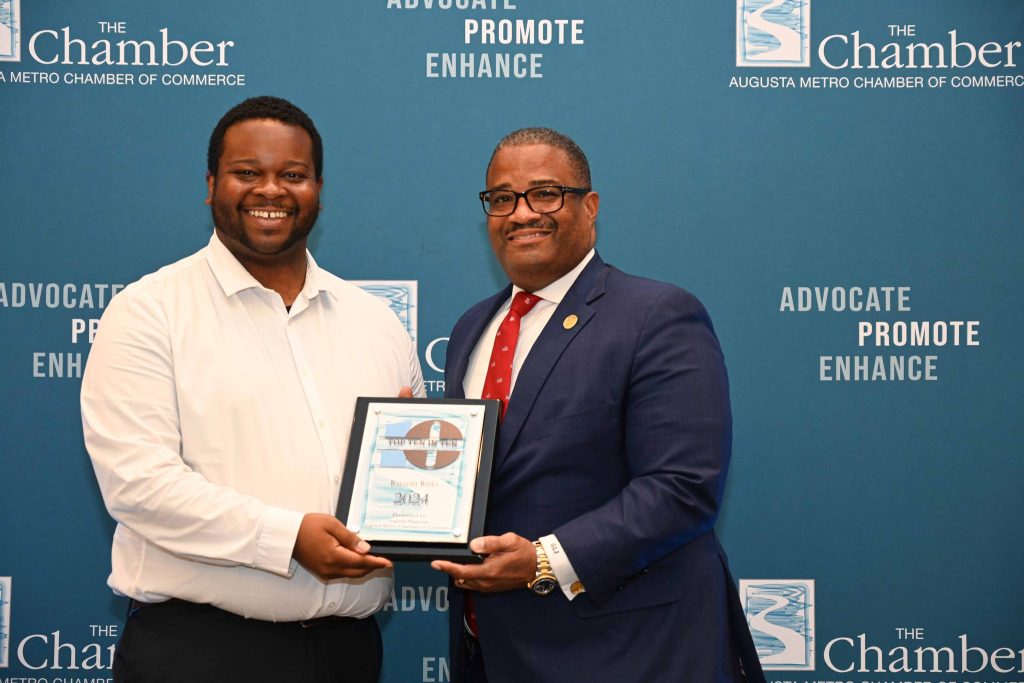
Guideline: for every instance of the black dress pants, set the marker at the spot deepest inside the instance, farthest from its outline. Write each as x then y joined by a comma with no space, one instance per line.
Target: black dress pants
178,641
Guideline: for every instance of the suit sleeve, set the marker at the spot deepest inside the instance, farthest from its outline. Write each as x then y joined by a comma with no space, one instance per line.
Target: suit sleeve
676,439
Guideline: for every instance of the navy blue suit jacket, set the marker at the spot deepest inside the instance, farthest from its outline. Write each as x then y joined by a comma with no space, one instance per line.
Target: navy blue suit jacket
617,440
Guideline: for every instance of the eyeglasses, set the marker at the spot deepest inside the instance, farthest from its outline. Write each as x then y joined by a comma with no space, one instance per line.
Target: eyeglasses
543,199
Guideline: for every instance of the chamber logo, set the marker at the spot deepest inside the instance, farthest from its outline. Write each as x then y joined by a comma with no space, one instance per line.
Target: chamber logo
5,619
773,33
10,30
781,617
399,295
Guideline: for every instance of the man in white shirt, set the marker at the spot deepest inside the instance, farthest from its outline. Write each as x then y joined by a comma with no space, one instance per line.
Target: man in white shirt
601,561
216,406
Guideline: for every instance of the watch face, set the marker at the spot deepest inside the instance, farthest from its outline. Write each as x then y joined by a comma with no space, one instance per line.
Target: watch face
543,586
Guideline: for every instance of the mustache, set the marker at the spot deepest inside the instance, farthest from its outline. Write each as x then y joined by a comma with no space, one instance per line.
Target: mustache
542,224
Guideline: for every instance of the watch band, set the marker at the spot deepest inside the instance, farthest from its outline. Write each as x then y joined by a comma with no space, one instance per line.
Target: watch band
544,580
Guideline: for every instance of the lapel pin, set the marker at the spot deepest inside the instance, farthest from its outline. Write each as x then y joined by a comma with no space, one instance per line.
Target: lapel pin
570,322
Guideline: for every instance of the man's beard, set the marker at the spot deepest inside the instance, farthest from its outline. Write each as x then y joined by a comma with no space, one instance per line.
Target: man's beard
231,222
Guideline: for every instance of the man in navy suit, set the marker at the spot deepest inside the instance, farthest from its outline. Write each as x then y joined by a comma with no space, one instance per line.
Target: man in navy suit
601,562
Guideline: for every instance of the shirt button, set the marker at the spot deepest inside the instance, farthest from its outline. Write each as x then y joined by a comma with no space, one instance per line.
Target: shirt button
320,423
330,605
336,479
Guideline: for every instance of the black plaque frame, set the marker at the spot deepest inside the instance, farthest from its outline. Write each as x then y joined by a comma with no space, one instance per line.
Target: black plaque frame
426,550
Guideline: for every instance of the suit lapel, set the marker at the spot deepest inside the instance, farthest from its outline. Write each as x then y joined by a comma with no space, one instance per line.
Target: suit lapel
460,358
549,346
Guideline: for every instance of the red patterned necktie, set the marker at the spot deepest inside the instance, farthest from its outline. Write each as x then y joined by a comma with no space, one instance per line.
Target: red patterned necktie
498,382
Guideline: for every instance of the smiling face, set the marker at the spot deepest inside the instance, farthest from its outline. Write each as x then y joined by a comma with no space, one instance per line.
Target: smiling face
265,197
536,249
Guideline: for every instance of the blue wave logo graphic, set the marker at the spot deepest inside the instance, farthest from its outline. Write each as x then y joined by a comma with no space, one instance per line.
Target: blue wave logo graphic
400,297
781,618
5,619
10,30
773,32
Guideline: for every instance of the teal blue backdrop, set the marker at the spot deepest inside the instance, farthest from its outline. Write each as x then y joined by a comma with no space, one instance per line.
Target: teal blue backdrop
838,180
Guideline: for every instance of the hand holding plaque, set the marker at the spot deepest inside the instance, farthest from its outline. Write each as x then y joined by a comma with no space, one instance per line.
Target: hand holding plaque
326,548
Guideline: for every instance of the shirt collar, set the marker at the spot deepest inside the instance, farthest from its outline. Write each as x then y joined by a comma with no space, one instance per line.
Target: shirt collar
234,278
556,291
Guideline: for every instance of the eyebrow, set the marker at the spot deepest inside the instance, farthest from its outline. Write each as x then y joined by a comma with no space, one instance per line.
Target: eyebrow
290,162
533,183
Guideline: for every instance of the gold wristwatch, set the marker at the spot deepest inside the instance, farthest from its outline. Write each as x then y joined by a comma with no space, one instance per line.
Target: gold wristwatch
544,581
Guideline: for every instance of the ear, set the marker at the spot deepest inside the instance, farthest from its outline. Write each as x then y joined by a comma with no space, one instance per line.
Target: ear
210,182
591,203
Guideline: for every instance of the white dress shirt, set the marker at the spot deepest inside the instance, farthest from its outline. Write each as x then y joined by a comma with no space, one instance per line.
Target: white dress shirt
215,419
530,327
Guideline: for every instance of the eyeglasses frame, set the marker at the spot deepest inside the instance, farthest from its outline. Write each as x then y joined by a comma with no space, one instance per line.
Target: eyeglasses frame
522,195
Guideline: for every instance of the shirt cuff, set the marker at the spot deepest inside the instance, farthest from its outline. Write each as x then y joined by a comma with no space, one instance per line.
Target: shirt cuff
277,541
562,567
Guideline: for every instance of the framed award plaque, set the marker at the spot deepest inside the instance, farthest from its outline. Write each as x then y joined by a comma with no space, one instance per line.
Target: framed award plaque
417,475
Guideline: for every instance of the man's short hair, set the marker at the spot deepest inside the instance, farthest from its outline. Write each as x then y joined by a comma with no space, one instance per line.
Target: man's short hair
547,136
264,107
